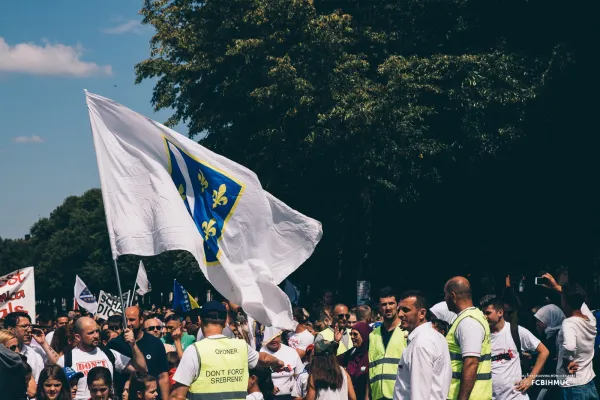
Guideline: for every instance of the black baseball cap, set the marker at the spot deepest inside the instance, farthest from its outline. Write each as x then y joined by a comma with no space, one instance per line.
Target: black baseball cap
213,310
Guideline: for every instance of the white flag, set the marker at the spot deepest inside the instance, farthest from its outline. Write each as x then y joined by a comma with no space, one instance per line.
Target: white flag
142,281
163,191
84,297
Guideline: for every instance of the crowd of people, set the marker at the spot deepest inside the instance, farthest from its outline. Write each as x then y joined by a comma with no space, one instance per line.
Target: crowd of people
400,349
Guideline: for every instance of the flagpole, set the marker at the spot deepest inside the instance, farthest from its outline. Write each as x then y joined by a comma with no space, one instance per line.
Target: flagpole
120,294
133,293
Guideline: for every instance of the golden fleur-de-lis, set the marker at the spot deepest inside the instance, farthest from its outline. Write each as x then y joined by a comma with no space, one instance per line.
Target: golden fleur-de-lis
219,197
209,229
181,192
203,181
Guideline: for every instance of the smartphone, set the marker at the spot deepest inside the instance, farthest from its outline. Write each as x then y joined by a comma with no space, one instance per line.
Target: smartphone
541,281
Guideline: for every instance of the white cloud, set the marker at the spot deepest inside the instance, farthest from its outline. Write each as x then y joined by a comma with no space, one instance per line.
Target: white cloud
29,139
49,59
131,26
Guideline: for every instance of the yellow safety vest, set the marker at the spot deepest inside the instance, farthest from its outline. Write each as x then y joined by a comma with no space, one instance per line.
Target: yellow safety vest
383,362
483,385
223,372
329,336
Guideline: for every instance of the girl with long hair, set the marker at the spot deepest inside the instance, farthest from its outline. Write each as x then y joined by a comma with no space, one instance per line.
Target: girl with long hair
53,384
260,384
142,387
63,340
328,380
100,383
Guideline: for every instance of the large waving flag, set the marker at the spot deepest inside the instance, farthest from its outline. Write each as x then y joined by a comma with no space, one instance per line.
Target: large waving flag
163,191
84,297
182,300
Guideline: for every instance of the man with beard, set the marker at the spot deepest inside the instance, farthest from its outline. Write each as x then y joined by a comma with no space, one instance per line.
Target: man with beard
151,348
386,344
469,344
19,323
88,355
424,371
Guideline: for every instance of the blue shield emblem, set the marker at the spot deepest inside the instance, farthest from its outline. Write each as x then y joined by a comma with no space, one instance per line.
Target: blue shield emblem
86,296
210,196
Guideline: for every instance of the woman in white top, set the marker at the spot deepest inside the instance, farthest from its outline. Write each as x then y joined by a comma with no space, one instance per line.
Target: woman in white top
328,380
260,384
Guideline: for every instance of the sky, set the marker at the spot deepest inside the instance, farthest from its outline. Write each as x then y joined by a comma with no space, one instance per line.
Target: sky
49,54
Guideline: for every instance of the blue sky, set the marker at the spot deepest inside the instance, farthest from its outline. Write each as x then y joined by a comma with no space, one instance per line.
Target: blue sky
49,53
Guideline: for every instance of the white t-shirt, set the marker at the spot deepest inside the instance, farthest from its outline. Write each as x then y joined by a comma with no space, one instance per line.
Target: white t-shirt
301,340
424,371
255,396
35,361
285,380
189,366
506,365
300,388
576,342
469,335
83,362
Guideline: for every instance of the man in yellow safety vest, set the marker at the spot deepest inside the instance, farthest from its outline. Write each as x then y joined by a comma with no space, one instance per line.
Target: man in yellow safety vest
216,368
469,344
386,344
340,331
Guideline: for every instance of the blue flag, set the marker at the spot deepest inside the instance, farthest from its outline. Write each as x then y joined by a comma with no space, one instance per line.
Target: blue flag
182,300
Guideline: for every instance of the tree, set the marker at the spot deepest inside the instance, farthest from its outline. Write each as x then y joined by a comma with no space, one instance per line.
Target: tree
346,109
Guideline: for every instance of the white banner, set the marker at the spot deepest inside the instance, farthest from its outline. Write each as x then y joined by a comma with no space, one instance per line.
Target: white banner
17,293
109,305
84,297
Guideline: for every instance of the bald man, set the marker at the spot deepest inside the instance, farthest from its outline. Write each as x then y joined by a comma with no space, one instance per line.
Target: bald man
88,355
469,344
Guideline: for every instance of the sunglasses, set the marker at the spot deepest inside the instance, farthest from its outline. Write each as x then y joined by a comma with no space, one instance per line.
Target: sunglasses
13,348
343,316
153,328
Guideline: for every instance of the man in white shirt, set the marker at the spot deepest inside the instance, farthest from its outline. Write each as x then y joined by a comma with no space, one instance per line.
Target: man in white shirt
61,320
284,379
88,355
213,316
507,377
576,347
424,371
19,323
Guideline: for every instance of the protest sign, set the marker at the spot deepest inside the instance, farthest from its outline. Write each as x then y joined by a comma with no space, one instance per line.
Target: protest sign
363,292
17,293
109,305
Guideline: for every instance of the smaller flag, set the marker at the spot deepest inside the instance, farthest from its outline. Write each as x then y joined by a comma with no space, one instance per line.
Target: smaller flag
142,281
182,300
84,297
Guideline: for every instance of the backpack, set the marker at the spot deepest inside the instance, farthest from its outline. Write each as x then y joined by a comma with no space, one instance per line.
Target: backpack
109,354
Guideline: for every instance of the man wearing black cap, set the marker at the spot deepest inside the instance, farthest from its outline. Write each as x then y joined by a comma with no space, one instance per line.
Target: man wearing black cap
217,366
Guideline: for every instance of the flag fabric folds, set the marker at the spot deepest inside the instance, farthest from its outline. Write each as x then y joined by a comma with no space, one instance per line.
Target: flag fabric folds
182,300
84,297
163,191
142,281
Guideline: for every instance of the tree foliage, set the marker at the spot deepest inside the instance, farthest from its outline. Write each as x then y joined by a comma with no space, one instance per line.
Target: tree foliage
343,107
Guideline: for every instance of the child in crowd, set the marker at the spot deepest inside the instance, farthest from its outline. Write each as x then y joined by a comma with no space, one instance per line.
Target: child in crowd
73,378
53,384
142,387
260,384
100,383
173,360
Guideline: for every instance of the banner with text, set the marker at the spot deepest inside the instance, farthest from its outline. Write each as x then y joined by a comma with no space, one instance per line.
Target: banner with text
109,305
17,293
